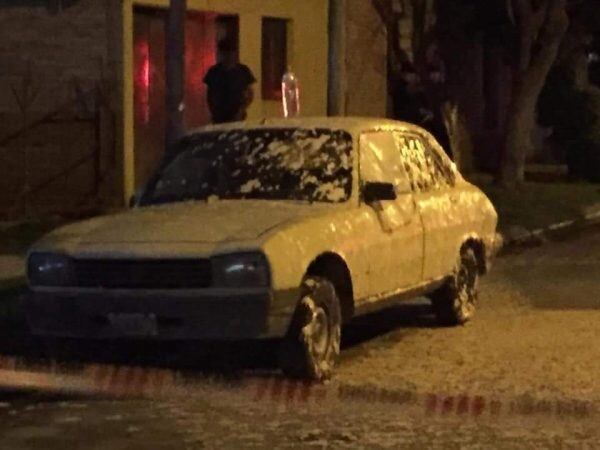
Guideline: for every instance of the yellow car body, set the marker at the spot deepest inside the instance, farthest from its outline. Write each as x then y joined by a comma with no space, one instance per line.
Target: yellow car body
375,252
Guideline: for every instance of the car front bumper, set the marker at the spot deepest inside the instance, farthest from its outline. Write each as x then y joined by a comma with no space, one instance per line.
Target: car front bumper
206,314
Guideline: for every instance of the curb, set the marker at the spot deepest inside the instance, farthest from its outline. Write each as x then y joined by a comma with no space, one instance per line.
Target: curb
541,235
119,382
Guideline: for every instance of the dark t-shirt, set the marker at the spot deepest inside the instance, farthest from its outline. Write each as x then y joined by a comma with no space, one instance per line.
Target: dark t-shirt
226,89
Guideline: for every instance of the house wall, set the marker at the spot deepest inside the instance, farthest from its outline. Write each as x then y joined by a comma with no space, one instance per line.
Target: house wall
92,41
58,48
52,60
307,55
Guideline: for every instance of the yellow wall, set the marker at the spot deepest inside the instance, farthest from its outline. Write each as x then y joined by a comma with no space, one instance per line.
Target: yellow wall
307,53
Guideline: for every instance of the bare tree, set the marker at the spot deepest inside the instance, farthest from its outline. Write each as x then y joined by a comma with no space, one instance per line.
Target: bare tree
541,25
175,68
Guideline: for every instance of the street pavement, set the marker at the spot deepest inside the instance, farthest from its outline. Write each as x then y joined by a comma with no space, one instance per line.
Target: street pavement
523,374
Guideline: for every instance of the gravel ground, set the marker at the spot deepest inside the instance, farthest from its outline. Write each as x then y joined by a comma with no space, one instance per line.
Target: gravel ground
534,334
529,357
225,420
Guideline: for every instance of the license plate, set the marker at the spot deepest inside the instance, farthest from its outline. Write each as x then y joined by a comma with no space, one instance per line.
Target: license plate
134,325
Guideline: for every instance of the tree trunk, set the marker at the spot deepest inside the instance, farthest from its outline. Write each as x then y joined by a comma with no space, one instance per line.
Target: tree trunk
521,119
540,33
175,71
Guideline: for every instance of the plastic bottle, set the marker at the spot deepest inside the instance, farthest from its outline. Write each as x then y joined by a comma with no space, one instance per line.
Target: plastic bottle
290,90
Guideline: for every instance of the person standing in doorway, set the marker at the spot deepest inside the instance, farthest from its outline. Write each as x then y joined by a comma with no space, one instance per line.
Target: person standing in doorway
230,86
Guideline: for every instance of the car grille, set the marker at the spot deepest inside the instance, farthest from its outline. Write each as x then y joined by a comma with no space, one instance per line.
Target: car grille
143,274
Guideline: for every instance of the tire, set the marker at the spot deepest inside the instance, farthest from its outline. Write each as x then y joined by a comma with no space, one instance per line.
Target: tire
312,345
455,302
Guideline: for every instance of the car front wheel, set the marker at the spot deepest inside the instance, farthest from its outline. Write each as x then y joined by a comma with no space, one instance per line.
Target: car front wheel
454,303
312,346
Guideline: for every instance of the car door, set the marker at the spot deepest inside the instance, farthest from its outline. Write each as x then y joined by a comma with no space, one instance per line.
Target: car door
437,203
395,249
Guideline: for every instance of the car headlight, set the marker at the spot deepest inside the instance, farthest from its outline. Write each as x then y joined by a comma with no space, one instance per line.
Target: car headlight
241,270
49,269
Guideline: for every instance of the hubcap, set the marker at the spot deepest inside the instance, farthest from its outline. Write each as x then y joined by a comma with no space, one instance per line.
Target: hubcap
466,284
320,331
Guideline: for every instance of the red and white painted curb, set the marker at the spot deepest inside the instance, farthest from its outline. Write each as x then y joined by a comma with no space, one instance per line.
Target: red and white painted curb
123,381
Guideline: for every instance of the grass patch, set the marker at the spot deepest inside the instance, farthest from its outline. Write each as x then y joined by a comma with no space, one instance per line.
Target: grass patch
18,238
538,205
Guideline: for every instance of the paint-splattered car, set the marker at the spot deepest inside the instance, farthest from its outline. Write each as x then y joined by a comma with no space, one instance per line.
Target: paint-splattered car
279,229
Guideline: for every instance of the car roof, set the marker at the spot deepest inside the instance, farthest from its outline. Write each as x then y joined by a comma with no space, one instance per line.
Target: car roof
354,125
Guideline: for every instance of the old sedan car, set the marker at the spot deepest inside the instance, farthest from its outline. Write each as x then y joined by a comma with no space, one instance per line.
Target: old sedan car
276,229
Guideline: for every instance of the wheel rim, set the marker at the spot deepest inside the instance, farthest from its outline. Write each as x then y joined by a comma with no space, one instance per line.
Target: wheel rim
312,345
320,331
467,288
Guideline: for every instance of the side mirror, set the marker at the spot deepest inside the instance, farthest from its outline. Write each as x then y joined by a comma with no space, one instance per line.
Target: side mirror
374,192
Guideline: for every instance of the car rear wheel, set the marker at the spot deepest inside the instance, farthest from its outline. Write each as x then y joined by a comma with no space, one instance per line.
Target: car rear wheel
312,346
455,302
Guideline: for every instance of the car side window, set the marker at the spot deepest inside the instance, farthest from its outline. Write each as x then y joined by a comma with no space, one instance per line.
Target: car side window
380,161
441,165
422,164
413,157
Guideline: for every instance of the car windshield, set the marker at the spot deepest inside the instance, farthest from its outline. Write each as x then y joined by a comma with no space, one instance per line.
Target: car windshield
312,165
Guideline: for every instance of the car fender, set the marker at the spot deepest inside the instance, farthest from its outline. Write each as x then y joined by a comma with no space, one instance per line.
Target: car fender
294,247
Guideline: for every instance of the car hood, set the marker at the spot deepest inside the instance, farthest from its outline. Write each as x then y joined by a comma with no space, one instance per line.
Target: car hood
190,222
